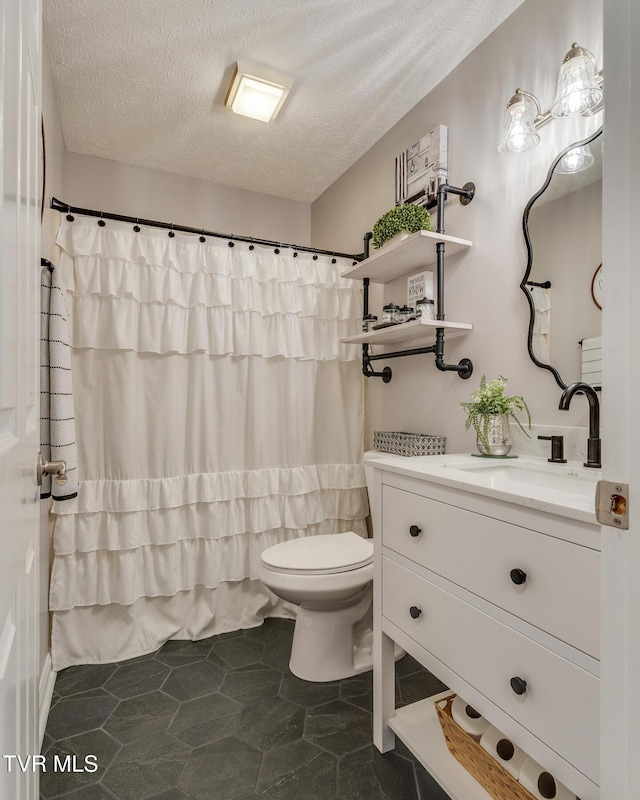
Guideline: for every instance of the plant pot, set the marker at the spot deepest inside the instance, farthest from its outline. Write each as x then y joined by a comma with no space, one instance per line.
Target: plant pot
398,237
496,435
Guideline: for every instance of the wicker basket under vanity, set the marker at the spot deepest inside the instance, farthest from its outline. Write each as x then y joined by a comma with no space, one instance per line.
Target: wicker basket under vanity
491,775
409,444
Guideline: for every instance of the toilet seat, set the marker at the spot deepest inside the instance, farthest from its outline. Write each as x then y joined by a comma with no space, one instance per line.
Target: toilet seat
323,554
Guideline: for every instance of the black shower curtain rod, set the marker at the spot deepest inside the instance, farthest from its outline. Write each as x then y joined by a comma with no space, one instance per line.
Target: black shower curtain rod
58,205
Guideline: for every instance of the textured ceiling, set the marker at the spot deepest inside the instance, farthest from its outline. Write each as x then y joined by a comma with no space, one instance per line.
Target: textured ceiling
144,82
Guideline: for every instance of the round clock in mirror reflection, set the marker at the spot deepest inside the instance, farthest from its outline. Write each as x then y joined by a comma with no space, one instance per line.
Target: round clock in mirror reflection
597,287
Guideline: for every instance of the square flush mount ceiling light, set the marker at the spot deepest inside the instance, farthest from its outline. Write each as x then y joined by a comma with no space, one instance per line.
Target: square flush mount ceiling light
257,92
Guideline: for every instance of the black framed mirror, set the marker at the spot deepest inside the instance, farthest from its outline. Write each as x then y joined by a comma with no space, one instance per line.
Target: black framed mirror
562,225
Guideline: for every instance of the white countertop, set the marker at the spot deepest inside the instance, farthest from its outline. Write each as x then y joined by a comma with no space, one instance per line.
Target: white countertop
567,490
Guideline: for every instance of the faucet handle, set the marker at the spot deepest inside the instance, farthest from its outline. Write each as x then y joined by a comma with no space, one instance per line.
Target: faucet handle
557,449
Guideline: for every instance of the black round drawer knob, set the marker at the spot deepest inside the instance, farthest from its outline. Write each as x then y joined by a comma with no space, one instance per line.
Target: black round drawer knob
519,685
518,576
415,612
414,530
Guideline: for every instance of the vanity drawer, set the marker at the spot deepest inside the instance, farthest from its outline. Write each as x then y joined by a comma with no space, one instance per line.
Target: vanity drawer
560,704
551,583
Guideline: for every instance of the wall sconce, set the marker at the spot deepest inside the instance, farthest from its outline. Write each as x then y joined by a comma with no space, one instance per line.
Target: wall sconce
257,92
579,92
520,123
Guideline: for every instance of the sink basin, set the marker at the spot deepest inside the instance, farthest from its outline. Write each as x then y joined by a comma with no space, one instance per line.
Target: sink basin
525,476
568,490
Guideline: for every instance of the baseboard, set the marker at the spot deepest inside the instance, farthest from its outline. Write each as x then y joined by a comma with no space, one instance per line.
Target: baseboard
47,682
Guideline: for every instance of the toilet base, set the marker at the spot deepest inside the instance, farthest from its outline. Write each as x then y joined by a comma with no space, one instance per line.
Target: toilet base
331,644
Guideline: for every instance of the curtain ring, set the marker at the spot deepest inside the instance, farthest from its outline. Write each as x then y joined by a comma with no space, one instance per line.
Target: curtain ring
231,243
70,216
171,234
136,227
251,246
315,256
202,238
101,222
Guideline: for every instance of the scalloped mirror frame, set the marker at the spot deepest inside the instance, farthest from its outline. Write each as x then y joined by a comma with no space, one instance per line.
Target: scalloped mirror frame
525,229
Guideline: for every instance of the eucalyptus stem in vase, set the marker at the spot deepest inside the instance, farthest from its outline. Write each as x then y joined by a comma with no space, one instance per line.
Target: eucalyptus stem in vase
488,412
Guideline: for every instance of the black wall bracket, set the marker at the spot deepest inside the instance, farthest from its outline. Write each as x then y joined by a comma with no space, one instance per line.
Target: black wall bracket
369,372
464,368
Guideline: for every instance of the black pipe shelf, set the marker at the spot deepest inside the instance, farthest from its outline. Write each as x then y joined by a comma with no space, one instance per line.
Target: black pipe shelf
408,255
422,331
405,256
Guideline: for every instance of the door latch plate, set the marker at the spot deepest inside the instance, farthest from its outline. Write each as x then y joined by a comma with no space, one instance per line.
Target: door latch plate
612,504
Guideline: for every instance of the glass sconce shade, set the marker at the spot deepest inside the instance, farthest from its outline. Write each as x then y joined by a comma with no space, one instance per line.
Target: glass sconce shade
576,160
519,130
578,90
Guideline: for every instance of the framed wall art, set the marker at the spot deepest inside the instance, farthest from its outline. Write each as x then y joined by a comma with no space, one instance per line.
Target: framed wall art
421,167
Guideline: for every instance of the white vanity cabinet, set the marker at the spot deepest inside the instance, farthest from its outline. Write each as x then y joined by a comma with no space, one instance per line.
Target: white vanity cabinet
499,601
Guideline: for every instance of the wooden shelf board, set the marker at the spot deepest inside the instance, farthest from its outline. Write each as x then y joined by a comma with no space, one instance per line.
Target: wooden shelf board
419,728
406,256
409,331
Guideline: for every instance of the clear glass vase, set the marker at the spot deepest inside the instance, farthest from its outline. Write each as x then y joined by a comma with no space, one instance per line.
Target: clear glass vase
496,438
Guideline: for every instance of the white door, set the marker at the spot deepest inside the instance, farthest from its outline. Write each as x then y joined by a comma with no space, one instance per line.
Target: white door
20,114
620,712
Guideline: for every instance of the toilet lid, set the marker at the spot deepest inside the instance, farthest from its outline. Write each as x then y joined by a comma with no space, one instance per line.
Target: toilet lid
325,553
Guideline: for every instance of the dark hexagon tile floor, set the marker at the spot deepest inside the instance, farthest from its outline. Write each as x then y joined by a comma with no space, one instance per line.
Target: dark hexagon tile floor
224,719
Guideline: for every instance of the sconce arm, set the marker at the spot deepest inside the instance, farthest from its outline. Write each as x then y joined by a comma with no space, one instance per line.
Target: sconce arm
541,117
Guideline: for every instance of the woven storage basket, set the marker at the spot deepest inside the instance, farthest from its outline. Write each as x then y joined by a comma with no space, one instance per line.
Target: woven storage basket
409,444
491,775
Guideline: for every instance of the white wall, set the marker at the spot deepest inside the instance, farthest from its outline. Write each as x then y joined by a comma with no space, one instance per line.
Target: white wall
482,285
55,155
101,184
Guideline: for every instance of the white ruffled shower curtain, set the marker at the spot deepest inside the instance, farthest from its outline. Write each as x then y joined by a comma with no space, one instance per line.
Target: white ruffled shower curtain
217,414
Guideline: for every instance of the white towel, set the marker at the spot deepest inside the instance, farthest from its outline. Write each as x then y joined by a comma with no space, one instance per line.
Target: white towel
57,423
541,323
592,360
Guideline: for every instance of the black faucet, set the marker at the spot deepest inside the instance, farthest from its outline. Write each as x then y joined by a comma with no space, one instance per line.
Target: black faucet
593,442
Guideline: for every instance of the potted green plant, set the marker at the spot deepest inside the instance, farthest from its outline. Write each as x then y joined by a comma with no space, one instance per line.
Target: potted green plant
407,218
488,412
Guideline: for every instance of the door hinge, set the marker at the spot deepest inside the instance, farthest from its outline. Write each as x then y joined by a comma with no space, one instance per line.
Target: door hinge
612,504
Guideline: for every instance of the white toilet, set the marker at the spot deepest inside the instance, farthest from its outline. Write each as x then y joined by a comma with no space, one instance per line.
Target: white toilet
329,577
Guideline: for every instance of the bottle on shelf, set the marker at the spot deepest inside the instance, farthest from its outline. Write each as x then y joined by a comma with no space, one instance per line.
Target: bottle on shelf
425,309
369,322
406,314
390,313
